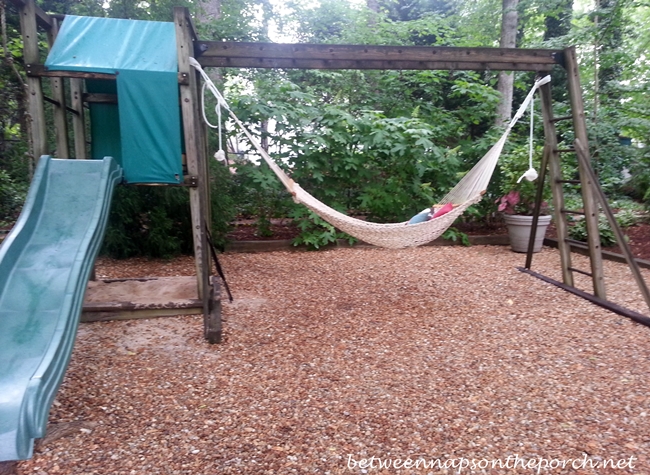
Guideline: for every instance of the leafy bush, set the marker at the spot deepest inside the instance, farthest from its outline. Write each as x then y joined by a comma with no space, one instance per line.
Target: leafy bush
222,202
624,218
149,221
256,193
579,232
519,197
12,197
314,231
454,235
640,183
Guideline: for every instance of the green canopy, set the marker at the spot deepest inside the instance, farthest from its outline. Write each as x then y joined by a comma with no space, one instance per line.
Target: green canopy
143,132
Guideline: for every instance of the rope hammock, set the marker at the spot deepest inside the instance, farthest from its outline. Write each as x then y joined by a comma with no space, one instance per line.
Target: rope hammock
468,191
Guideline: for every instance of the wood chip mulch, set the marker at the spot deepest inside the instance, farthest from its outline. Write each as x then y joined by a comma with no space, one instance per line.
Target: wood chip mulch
434,353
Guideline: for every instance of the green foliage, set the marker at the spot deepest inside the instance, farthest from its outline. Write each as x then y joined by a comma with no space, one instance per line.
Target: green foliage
148,221
640,183
579,232
12,197
223,205
256,193
626,216
314,231
454,235
389,168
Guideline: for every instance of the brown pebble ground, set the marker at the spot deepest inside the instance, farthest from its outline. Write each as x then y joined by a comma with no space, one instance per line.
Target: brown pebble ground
335,356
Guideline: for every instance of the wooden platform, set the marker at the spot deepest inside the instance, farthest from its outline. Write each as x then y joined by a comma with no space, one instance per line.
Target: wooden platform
125,299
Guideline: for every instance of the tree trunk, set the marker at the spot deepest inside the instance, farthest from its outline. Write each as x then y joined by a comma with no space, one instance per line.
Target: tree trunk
209,10
373,6
506,79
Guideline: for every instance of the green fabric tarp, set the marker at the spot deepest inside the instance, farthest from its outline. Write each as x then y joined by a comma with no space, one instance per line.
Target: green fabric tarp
143,56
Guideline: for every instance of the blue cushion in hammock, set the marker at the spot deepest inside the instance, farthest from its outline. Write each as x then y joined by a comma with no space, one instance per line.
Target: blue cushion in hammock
421,217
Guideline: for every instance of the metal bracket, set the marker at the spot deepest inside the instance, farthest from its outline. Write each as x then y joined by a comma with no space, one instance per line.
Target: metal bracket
191,181
184,79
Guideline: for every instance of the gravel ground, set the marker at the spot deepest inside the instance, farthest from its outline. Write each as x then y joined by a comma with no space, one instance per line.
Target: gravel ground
384,355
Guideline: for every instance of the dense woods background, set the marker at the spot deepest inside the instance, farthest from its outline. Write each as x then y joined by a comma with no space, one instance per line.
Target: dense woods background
381,144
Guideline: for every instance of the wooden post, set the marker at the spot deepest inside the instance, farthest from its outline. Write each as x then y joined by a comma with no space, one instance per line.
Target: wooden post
35,108
588,199
78,118
555,174
194,149
58,94
212,323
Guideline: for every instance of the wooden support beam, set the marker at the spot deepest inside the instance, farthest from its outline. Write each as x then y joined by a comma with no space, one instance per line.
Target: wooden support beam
312,56
555,171
100,98
38,70
212,323
588,199
365,65
58,94
35,107
194,151
78,119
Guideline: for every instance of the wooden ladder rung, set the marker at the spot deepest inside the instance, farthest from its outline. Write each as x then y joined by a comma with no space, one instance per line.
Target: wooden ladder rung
564,150
558,119
572,182
573,269
571,211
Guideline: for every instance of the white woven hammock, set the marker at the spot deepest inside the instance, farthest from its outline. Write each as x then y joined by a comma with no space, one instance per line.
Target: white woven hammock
468,191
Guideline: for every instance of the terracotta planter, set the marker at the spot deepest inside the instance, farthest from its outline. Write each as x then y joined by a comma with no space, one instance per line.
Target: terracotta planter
519,231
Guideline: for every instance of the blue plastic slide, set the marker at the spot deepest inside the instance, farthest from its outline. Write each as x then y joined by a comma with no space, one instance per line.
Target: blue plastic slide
45,263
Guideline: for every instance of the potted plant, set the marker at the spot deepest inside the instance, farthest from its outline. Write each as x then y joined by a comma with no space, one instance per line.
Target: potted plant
518,204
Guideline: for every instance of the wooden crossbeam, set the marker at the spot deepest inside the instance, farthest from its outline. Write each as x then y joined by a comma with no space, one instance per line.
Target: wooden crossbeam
312,56
38,70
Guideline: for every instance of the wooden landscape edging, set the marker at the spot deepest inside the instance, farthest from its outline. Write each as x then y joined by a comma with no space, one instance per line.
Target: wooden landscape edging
582,249
130,311
286,244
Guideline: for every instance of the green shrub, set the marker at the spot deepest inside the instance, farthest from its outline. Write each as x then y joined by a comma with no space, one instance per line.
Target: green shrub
626,218
314,231
149,221
455,235
222,203
12,197
256,193
579,232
